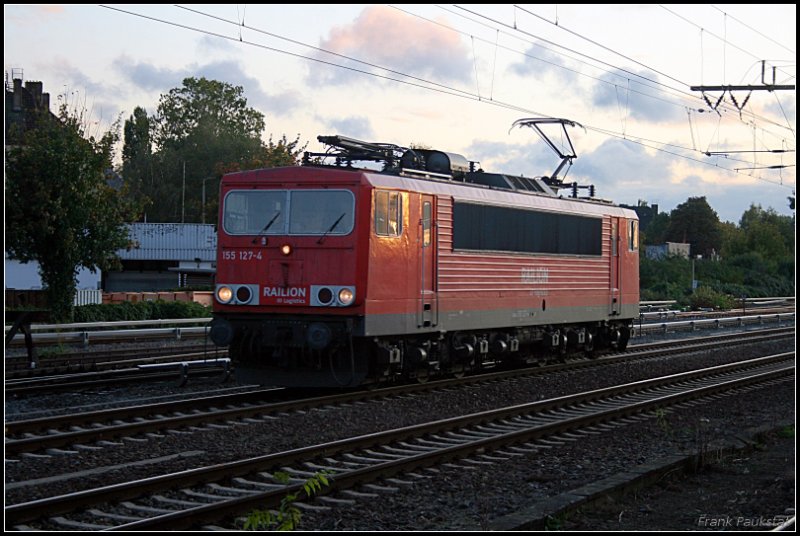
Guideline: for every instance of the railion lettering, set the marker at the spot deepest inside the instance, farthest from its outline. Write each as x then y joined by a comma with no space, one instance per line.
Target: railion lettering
285,292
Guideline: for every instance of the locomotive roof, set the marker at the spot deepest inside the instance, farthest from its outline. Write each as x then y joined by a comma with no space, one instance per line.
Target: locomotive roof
462,191
440,167
442,173
496,196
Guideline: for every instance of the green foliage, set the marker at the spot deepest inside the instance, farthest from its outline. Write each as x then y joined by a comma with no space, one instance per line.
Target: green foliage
173,161
664,279
556,522
695,222
662,421
787,432
757,260
138,163
656,230
203,110
708,298
63,212
287,517
146,310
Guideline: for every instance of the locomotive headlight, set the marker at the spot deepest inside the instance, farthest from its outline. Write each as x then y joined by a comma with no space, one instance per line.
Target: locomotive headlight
224,294
286,249
243,294
346,296
325,296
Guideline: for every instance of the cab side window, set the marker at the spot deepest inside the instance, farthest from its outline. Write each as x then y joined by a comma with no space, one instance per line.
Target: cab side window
633,235
388,213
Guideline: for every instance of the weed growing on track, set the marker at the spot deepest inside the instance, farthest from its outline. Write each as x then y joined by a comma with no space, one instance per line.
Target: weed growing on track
287,517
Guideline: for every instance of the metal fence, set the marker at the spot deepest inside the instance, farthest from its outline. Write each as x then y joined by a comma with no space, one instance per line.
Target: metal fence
87,297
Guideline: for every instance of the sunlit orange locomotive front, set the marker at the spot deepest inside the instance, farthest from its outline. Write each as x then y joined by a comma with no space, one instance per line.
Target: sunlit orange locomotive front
333,275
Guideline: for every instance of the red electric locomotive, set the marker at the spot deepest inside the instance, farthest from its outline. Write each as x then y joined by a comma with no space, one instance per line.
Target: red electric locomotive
333,275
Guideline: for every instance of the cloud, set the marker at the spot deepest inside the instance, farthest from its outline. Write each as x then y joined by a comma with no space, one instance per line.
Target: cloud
390,39
147,76
215,44
529,159
98,101
783,106
539,61
278,103
152,78
353,127
626,172
31,15
623,92
618,161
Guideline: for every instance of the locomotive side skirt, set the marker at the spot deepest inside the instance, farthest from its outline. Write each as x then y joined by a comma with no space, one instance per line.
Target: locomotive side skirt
377,325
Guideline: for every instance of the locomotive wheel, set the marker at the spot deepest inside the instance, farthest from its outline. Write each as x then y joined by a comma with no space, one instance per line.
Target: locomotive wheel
423,376
621,340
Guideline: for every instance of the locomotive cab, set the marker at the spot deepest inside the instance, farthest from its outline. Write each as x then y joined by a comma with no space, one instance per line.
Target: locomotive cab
287,287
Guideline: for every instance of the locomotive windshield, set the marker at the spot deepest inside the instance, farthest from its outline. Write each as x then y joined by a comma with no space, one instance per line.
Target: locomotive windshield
295,212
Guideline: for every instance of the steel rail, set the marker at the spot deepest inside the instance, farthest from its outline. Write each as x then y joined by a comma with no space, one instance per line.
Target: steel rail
667,390
86,336
152,418
169,414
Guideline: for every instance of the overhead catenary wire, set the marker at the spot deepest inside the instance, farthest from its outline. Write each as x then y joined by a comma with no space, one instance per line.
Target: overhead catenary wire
596,43
616,86
754,30
631,73
542,60
689,95
476,96
437,87
723,39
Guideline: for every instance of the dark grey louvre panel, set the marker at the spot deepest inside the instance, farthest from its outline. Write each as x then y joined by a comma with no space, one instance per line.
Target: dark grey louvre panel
489,228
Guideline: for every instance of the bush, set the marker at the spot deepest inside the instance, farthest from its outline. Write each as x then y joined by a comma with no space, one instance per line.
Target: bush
148,310
706,297
747,274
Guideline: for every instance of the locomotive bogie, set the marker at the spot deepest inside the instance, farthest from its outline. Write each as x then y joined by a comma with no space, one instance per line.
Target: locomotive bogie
285,351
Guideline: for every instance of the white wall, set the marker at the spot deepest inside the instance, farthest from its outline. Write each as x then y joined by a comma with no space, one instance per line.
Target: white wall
26,276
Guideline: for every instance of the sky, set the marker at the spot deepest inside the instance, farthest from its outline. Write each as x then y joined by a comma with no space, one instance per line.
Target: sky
455,78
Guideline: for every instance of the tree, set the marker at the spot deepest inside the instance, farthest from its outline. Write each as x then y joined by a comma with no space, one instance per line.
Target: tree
767,231
656,229
698,224
282,153
172,161
203,109
199,128
733,240
60,209
137,160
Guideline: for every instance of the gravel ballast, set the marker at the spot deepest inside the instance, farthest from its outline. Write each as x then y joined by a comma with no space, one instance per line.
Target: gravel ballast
452,499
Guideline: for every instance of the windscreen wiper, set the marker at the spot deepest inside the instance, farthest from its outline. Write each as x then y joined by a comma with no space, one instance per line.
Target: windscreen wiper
331,228
267,226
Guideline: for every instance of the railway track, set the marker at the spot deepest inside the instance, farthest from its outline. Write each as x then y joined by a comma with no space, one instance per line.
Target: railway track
77,370
177,368
70,361
124,366
67,431
211,495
